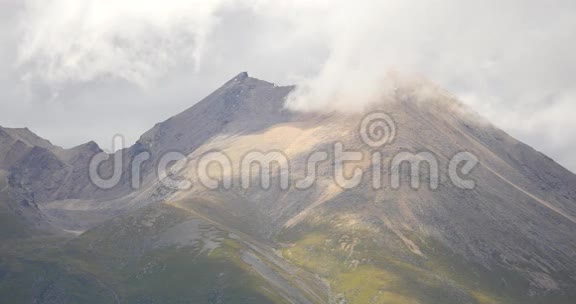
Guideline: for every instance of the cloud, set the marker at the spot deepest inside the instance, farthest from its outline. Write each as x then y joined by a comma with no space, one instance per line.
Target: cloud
522,49
512,60
517,50
67,41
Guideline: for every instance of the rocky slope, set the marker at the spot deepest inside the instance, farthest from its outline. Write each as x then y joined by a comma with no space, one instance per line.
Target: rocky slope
508,240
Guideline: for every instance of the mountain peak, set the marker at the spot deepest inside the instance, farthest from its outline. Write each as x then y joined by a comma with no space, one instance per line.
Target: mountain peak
242,104
89,146
238,78
242,76
26,136
243,79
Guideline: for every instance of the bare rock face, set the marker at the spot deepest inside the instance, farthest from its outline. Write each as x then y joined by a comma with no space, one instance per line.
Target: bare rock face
48,171
20,148
24,135
242,105
37,172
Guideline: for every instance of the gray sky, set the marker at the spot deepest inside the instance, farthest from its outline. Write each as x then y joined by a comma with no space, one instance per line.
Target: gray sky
85,70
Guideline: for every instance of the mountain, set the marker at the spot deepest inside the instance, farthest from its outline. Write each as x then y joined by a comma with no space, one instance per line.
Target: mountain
508,240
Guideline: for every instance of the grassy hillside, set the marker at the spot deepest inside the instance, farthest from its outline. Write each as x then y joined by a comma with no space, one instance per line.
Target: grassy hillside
368,266
159,254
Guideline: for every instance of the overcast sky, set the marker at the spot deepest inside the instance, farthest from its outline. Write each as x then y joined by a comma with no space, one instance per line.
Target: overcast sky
80,70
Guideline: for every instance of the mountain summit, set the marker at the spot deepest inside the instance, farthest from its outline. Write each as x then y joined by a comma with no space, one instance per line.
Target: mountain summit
243,104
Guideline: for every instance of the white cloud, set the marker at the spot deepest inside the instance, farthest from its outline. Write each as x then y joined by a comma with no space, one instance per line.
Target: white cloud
514,57
520,51
67,41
